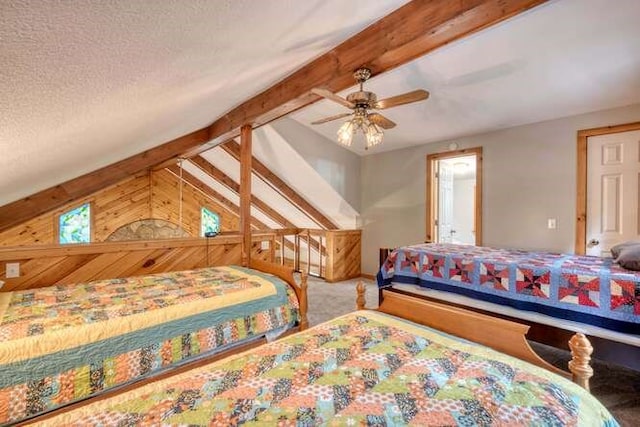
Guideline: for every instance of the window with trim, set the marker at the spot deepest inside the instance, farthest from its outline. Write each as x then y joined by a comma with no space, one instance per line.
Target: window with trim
209,222
74,226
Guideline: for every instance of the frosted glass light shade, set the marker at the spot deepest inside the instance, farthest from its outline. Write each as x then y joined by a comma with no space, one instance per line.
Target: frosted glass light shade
373,134
346,132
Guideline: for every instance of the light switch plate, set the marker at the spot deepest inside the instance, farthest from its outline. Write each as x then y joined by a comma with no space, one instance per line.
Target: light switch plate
12,270
551,224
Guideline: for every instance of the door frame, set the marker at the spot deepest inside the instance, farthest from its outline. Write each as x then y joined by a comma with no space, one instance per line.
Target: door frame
431,188
580,247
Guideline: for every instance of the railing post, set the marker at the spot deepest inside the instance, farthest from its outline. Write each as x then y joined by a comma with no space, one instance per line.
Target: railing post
321,251
272,249
308,252
282,249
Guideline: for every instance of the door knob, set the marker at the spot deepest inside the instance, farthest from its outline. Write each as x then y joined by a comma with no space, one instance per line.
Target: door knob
594,242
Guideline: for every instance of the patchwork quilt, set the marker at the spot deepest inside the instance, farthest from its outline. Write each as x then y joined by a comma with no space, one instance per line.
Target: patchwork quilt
365,368
585,289
66,342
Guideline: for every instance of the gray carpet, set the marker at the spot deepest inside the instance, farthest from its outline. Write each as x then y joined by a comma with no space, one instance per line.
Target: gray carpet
616,387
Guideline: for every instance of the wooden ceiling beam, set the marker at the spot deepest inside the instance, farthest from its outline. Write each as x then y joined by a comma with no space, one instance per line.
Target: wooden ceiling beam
413,30
275,182
228,182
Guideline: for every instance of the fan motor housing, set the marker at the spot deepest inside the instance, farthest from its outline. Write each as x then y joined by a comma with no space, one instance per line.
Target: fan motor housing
362,98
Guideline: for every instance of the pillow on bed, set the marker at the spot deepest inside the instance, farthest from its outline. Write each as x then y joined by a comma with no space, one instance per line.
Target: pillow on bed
629,257
615,250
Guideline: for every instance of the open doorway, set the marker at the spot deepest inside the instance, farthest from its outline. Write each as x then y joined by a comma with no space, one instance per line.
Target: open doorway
454,197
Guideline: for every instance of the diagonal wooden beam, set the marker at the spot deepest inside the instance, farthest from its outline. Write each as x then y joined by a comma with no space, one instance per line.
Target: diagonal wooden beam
228,182
214,195
274,181
413,30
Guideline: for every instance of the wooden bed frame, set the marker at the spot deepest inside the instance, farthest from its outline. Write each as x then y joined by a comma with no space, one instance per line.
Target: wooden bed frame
607,350
284,273
287,274
503,335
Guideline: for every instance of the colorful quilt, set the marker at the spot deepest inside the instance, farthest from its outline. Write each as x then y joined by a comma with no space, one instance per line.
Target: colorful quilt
584,289
66,342
365,368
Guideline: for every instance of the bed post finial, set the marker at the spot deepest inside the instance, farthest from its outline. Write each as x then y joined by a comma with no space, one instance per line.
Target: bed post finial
304,305
581,350
360,299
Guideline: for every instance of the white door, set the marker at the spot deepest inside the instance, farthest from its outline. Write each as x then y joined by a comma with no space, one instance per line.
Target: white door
613,170
445,202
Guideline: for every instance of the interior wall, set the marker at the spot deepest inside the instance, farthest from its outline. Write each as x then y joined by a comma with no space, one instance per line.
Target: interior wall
338,166
529,175
142,197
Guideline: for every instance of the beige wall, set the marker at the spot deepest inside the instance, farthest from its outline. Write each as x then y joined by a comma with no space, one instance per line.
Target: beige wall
337,165
529,176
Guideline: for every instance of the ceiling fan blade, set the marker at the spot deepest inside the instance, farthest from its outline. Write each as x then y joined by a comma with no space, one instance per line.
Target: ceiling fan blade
328,119
333,97
405,98
381,121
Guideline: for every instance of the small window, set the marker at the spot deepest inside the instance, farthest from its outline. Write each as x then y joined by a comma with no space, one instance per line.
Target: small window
209,222
75,225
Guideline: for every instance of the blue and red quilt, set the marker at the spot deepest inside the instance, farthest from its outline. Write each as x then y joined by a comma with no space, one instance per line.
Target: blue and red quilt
584,289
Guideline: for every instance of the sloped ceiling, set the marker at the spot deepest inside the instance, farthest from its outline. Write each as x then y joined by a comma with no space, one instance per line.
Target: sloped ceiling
86,83
563,58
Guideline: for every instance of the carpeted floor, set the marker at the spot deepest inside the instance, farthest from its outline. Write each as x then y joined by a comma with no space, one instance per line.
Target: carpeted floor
616,387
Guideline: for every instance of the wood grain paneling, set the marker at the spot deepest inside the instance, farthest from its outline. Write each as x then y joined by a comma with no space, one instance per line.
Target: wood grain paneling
45,265
343,255
155,195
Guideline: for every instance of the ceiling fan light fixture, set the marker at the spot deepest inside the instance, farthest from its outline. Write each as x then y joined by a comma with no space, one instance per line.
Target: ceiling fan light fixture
346,132
373,134
362,103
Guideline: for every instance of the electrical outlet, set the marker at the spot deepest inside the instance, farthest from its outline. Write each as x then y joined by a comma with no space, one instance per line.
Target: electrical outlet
551,224
264,245
12,270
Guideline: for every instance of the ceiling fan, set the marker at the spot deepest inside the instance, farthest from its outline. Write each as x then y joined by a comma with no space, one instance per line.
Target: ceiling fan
362,102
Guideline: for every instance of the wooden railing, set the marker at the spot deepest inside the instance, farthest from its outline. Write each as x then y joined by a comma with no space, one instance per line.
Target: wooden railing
333,255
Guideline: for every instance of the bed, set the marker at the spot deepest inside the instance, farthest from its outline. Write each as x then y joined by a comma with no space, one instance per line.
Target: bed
64,343
367,368
580,293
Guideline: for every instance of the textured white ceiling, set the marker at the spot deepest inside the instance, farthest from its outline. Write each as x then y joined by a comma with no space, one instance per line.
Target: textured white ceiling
86,83
563,58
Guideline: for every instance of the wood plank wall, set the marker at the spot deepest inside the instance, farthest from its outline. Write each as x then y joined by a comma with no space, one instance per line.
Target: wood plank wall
150,195
45,265
343,255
